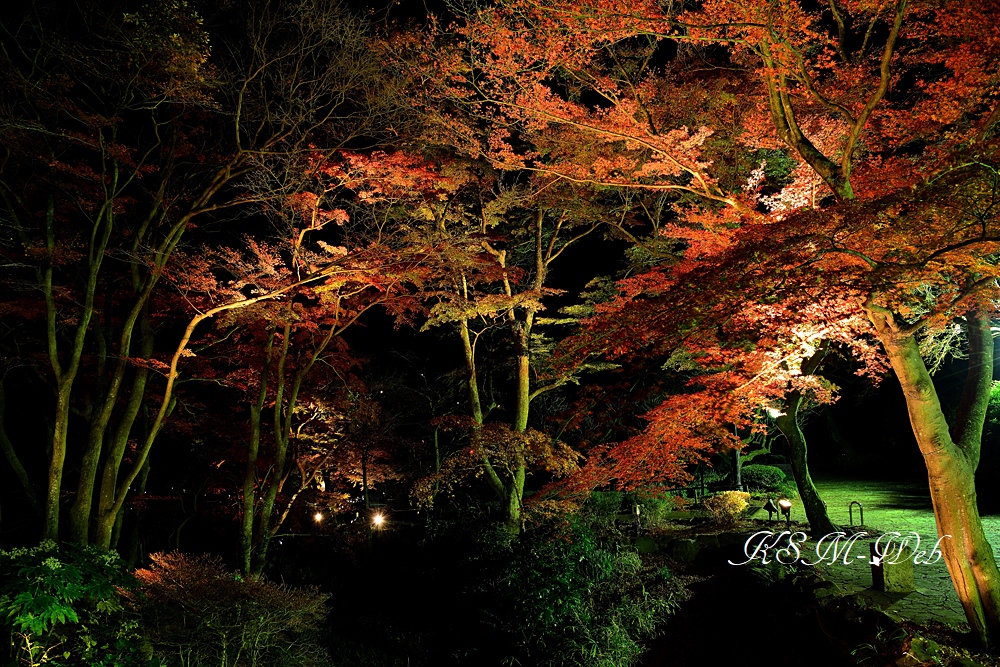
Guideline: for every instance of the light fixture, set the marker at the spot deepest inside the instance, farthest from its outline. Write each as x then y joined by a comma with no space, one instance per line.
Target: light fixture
770,508
786,508
774,413
378,520
318,517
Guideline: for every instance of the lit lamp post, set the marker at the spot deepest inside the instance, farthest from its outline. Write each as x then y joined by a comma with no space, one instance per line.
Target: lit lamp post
786,508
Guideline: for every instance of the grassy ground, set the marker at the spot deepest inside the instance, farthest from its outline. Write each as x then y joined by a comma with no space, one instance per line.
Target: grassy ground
894,506
903,508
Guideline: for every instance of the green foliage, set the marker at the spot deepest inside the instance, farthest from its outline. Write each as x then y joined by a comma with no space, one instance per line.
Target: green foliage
560,598
62,606
763,477
603,506
198,613
778,166
654,508
991,432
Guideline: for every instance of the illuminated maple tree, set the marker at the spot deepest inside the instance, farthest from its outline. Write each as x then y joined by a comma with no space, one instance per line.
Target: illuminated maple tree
827,81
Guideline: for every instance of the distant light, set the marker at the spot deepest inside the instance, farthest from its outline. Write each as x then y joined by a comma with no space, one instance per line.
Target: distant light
318,517
378,520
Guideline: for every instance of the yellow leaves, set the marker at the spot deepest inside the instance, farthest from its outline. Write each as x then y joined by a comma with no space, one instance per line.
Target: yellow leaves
726,507
487,306
503,449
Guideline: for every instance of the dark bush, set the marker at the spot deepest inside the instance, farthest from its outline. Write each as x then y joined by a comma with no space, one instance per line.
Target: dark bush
558,597
603,506
197,613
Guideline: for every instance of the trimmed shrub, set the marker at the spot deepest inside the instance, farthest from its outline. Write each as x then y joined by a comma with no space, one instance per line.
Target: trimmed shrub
759,477
727,506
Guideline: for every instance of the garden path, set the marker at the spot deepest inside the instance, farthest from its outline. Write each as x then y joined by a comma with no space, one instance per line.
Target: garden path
901,507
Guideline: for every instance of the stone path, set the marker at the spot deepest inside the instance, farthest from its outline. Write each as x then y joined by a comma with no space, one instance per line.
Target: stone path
894,506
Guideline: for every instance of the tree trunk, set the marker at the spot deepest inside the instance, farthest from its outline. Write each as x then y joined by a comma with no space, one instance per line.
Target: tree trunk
513,501
472,381
952,462
523,383
81,511
509,493
738,469
57,461
815,508
250,475
788,424
274,477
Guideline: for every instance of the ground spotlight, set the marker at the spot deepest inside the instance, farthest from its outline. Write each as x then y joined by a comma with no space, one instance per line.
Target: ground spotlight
770,508
786,509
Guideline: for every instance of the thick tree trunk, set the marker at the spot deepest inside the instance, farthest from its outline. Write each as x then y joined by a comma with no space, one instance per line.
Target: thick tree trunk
81,511
513,502
57,461
815,508
951,463
521,408
967,553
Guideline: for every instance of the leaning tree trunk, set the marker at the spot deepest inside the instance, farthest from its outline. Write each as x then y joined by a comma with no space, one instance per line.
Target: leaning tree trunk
815,508
788,424
510,493
951,457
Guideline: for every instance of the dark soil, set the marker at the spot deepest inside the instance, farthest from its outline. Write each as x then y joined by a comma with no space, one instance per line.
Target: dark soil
731,619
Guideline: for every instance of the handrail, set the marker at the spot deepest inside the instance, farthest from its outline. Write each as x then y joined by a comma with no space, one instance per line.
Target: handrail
861,511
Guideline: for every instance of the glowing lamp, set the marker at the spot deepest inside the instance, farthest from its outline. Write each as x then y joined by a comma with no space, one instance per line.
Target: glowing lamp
786,508
378,520
318,517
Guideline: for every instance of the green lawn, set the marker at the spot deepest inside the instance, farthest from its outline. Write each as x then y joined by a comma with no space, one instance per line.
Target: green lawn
900,507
